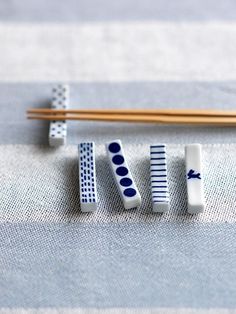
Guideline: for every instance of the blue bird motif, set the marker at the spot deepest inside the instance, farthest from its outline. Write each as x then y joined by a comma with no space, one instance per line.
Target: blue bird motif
192,175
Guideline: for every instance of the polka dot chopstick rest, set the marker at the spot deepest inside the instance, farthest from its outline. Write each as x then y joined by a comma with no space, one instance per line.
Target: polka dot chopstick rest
195,191
158,173
58,129
124,181
87,177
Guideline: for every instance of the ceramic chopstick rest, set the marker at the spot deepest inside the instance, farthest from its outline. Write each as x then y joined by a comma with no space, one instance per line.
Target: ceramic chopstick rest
121,173
87,177
158,173
58,129
195,191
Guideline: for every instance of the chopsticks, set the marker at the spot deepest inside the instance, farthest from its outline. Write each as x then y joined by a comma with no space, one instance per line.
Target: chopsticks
166,116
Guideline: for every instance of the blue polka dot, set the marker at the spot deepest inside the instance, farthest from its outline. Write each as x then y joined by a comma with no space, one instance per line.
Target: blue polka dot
122,171
118,159
129,192
114,147
126,182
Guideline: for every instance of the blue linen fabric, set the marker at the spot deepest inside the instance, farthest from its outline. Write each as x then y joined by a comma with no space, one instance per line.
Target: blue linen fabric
53,258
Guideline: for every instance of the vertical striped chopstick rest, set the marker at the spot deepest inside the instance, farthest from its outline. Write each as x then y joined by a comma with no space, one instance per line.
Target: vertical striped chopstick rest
159,182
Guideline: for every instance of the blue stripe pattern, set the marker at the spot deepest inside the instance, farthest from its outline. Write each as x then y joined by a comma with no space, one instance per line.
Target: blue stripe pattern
160,192
74,11
69,264
183,261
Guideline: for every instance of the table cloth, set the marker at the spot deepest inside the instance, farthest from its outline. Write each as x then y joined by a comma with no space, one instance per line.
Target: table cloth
115,54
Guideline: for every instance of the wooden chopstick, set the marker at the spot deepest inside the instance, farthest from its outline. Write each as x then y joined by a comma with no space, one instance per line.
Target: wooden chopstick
218,120
171,112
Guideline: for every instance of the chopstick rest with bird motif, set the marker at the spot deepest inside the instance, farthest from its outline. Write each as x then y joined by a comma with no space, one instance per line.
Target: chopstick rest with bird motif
194,177
87,177
121,173
158,173
58,129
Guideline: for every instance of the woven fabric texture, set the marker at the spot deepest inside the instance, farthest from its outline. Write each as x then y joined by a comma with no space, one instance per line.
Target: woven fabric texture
115,54
41,184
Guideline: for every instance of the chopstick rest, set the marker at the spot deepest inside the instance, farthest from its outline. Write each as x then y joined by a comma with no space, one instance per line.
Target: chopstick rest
124,180
195,191
158,173
58,129
87,177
